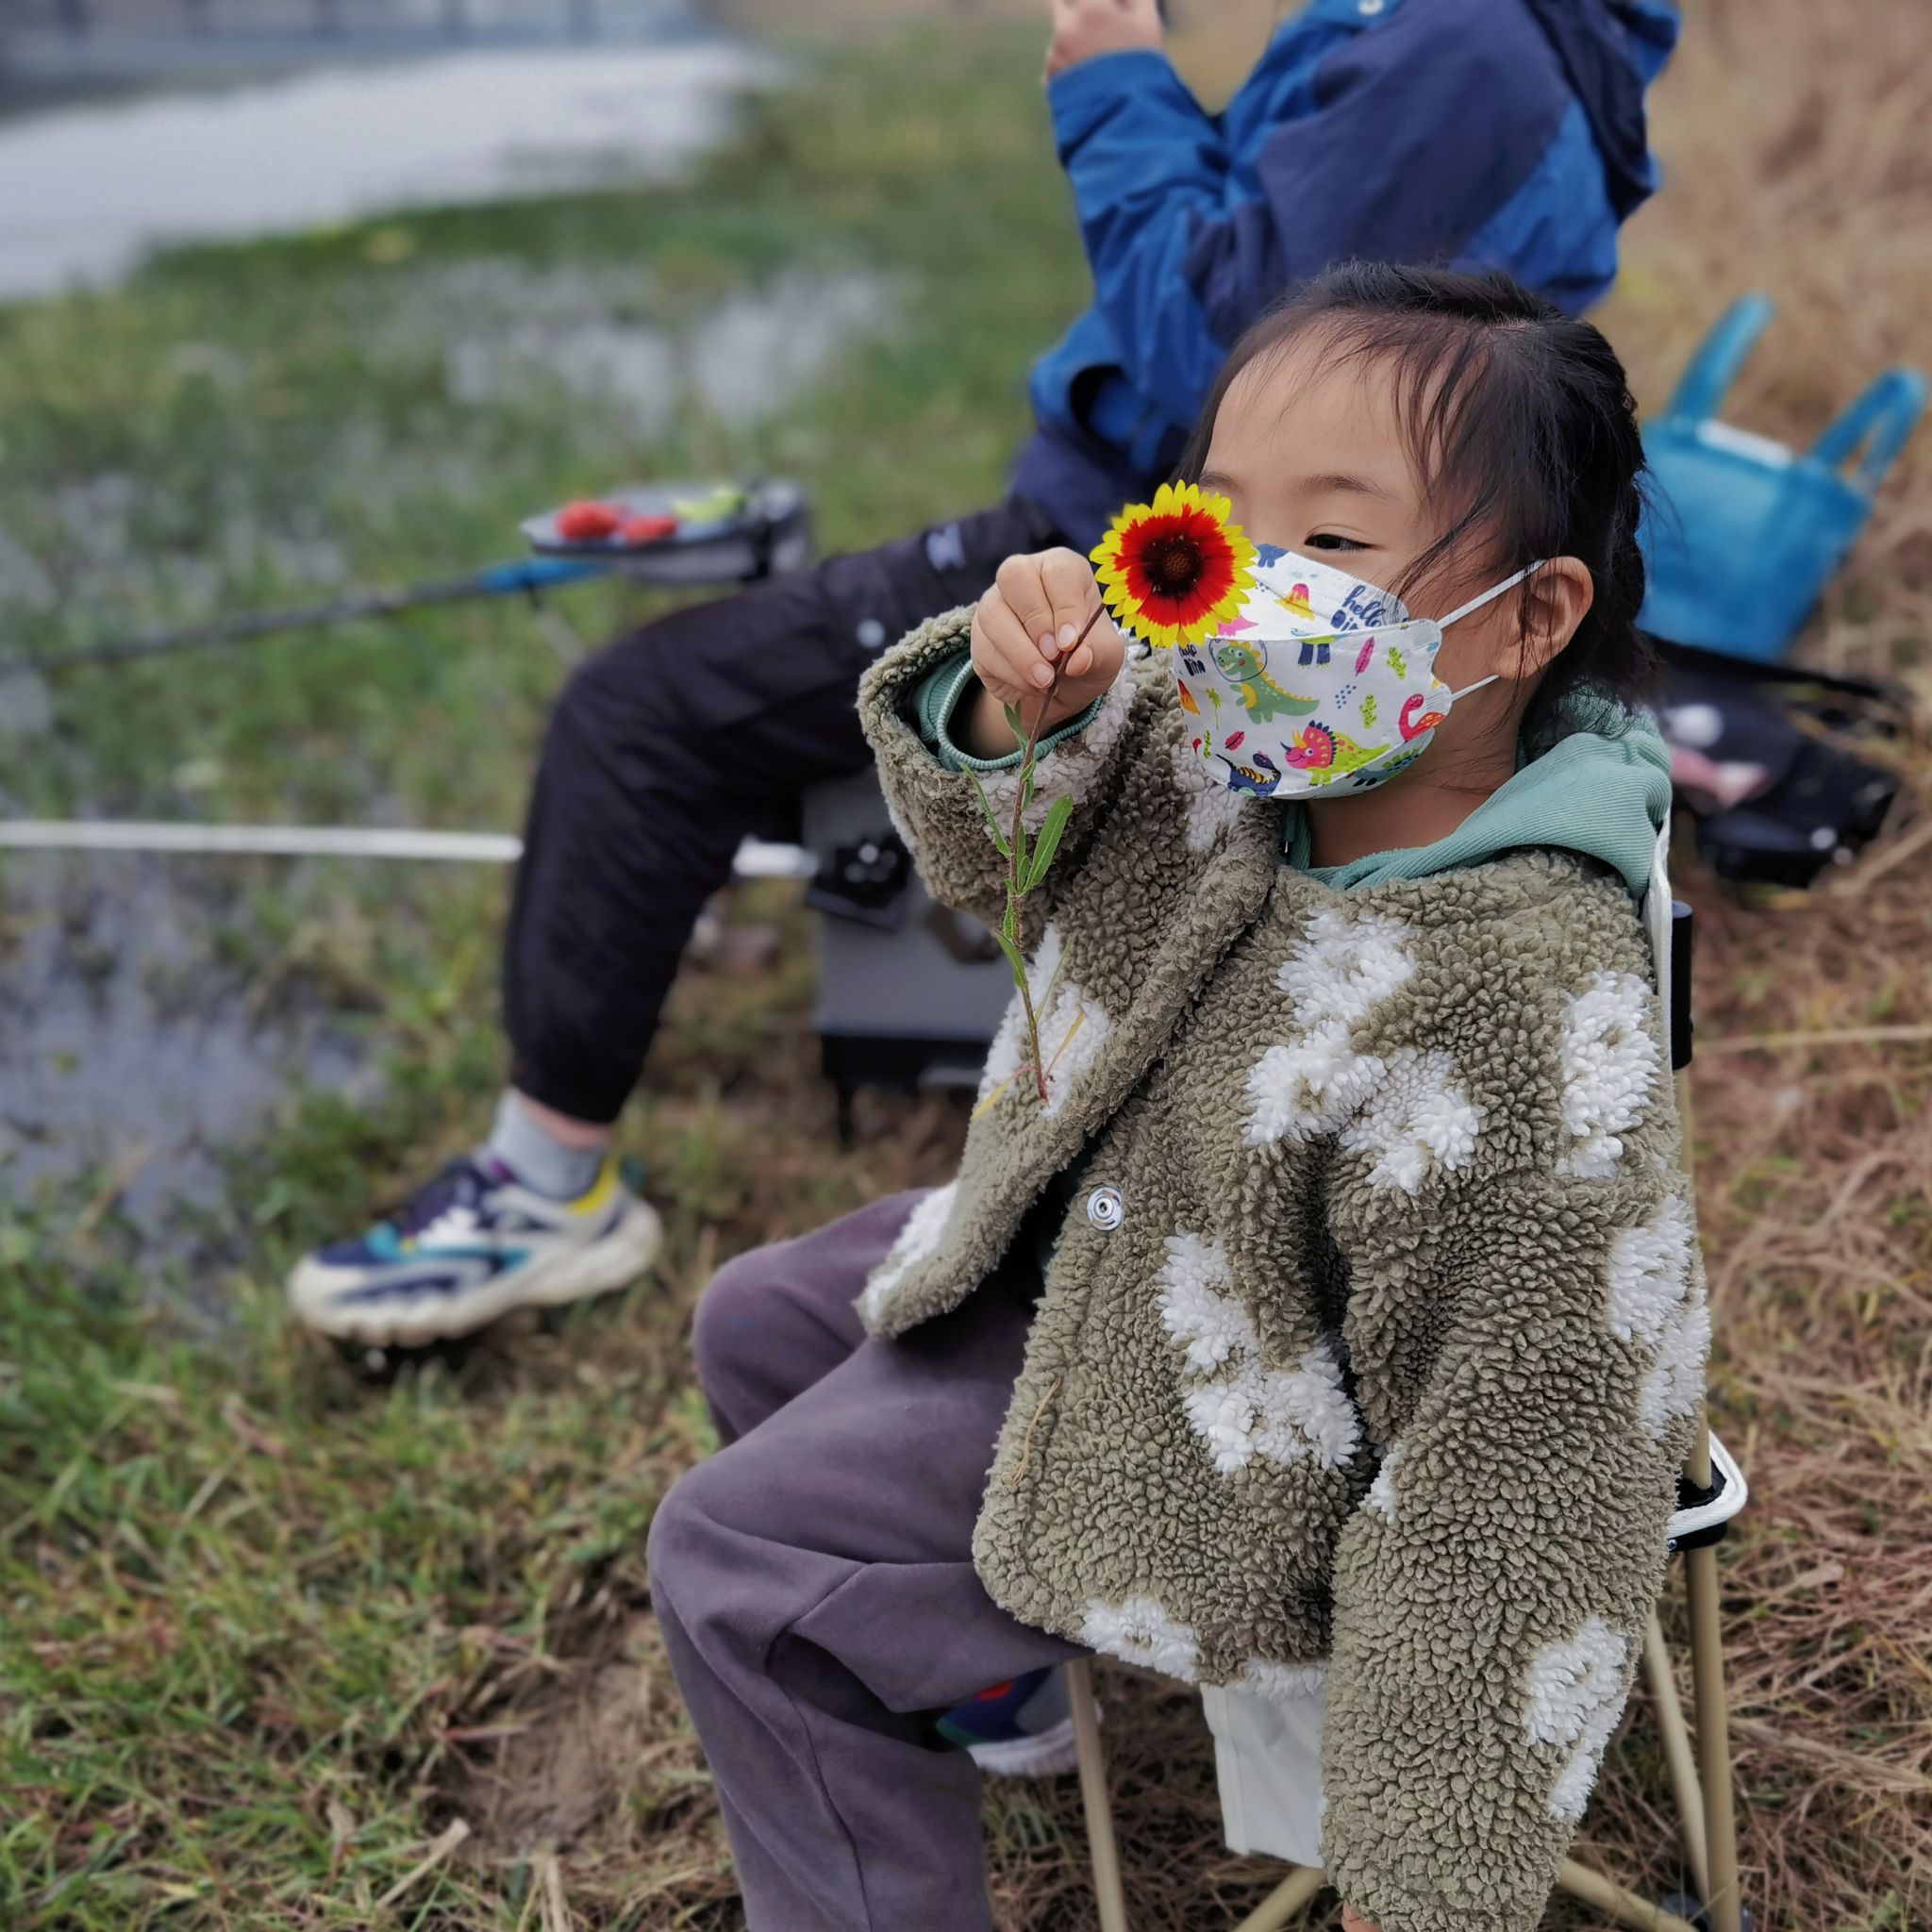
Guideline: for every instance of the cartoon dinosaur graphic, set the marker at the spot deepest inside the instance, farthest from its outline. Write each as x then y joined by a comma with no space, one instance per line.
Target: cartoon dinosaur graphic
1412,727
1326,755
1315,650
1261,697
1262,778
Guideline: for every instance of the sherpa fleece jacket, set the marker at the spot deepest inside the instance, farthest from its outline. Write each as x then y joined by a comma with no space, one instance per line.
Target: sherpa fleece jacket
1371,1342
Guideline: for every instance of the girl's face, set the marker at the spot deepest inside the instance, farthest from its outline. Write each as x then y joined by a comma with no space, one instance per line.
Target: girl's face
1312,453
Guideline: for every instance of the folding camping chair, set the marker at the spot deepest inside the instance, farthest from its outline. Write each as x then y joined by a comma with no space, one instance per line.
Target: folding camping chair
1710,1490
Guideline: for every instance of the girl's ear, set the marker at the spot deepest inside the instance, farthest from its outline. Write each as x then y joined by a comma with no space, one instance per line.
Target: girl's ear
1556,600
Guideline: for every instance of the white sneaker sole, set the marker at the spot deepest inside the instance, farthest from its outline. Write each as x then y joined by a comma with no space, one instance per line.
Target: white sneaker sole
1048,1754
613,1260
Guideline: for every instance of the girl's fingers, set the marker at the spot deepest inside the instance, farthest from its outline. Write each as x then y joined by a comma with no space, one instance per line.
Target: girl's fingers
1068,579
1051,594
1020,582
1004,653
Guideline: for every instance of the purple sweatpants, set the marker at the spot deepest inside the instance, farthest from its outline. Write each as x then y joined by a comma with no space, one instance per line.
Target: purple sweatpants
815,1583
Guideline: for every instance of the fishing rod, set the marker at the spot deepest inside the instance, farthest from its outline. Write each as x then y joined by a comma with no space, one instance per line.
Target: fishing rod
526,575
668,535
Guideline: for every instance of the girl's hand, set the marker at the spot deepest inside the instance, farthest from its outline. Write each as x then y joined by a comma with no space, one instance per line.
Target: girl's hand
1025,625
1352,1921
1082,29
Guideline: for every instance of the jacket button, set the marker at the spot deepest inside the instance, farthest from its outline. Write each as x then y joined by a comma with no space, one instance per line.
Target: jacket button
1106,1210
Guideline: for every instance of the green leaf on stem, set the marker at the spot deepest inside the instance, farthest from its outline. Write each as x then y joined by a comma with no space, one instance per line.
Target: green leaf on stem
1049,843
999,838
1015,958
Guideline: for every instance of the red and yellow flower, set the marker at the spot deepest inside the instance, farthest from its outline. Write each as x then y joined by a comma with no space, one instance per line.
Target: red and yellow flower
1173,571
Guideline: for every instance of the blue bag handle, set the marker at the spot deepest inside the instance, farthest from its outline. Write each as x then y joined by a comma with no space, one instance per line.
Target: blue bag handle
1881,419
1718,357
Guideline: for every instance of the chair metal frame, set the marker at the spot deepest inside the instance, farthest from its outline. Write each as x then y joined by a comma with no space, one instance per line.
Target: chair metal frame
1699,1775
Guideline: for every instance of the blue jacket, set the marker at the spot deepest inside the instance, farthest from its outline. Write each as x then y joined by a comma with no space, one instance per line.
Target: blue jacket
1484,133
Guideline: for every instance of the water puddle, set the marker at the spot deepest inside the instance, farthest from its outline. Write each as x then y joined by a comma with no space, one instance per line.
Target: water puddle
139,1035
85,193
577,332
132,1045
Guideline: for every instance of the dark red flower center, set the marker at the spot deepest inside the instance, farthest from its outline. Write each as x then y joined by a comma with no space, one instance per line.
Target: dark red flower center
1179,566
1174,563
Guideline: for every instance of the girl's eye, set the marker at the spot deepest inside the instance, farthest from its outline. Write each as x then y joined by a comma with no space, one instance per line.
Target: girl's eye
1327,540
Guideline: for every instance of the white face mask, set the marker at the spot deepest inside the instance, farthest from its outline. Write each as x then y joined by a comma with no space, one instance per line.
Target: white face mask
1322,684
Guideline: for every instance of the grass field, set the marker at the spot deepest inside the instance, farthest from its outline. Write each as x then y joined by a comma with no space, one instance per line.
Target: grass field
269,1636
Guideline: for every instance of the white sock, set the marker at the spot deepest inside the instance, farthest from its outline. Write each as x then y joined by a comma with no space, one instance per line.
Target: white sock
539,1159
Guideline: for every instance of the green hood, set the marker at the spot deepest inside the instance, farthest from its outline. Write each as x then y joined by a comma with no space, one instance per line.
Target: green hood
1602,788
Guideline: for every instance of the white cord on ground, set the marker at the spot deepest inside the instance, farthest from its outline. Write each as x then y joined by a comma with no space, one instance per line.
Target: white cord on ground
758,858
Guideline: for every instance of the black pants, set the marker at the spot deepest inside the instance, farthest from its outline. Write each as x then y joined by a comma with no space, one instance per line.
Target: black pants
670,747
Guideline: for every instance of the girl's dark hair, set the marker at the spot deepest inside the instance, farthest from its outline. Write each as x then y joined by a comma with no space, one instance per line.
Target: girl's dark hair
1520,415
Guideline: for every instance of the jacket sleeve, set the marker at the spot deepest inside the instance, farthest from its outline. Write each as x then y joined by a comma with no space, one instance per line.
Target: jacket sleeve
1491,1590
1382,142
936,804
1147,167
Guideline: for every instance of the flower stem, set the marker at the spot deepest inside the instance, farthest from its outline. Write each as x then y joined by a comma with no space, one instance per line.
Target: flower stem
1015,891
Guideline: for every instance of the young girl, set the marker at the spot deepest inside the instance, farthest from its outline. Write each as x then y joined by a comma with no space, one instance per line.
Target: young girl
1338,1315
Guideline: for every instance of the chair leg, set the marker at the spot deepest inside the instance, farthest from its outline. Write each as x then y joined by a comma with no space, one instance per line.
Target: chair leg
1675,1738
1610,1899
1096,1799
1291,1896
1722,1905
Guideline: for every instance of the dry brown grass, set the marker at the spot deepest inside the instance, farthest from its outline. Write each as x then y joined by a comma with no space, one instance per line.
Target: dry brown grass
1794,138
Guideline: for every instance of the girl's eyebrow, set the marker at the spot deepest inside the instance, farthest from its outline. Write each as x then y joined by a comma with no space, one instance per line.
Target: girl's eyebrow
1333,483
1340,483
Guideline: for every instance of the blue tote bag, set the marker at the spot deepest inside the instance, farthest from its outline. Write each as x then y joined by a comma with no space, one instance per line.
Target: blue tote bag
1744,533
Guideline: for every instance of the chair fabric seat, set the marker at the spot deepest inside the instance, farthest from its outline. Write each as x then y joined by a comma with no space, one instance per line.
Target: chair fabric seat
1268,1763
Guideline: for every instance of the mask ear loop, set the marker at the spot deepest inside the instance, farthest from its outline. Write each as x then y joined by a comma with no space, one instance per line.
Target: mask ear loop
1489,597
1495,592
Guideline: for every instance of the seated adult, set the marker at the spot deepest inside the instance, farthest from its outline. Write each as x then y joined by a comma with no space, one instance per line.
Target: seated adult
1480,133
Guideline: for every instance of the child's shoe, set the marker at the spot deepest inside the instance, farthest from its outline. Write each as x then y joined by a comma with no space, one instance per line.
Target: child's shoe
1021,1728
469,1247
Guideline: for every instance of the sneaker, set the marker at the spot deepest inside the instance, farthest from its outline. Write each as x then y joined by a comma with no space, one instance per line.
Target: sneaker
471,1245
1021,1728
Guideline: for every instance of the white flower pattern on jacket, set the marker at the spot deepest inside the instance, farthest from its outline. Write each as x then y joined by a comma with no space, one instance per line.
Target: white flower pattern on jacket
1419,1123
1575,1697
1655,1301
1610,1064
916,1242
1140,1631
1339,972
1074,1030
1243,1408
